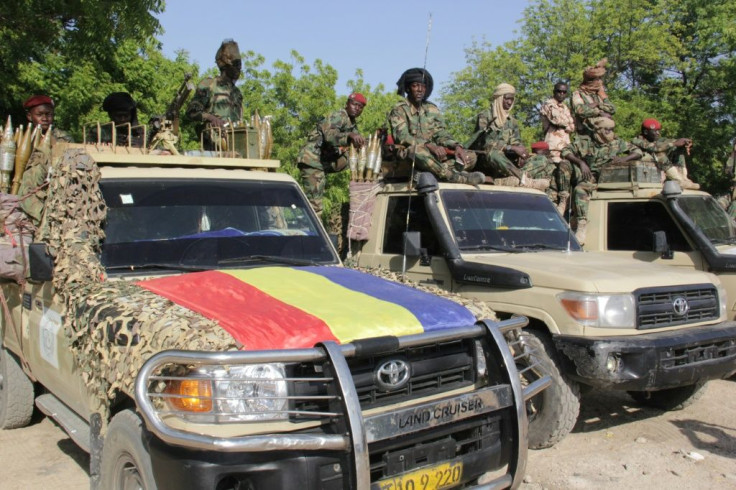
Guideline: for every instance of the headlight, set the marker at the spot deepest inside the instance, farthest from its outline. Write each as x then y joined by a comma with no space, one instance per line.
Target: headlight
600,310
723,299
251,392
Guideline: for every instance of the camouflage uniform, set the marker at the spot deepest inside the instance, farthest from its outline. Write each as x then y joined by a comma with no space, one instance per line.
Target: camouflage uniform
538,166
61,135
413,128
596,155
325,152
494,142
731,165
662,152
587,106
561,125
34,176
217,96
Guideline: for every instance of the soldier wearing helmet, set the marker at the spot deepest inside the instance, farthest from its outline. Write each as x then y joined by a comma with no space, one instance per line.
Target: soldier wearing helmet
418,130
217,100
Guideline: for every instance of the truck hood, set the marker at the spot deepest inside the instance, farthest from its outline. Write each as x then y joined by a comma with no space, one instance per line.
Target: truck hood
591,271
297,307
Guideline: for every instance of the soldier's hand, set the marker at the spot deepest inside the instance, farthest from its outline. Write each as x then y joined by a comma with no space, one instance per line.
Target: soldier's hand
438,151
357,140
519,150
585,171
460,155
213,120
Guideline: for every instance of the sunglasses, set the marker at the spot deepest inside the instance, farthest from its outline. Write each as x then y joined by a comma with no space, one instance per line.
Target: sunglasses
561,91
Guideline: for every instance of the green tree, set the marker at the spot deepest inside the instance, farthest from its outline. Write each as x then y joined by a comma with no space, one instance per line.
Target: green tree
33,30
673,60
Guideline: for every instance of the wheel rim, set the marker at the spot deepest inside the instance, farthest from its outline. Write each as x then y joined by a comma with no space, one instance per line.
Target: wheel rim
127,475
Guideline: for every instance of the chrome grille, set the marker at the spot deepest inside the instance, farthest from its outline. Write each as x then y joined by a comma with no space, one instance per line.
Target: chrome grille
656,307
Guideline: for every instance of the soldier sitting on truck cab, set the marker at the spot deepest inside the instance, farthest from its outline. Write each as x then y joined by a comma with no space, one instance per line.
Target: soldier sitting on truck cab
588,156
668,154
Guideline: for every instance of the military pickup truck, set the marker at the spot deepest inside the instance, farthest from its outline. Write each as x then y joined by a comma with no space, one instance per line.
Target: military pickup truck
188,322
633,214
656,332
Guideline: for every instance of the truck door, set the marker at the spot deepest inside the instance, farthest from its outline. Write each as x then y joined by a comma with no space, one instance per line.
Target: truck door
630,228
429,270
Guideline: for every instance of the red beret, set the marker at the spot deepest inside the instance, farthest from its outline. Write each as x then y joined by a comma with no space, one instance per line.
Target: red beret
651,124
540,145
35,100
358,97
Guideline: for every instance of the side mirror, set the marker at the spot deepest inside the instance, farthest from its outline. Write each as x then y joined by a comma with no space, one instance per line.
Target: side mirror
413,247
40,263
660,245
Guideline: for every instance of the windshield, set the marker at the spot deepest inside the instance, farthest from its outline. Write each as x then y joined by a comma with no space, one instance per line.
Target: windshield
710,217
506,221
208,224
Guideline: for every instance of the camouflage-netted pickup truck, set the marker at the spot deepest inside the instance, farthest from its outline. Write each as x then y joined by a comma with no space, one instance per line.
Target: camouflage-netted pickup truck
188,322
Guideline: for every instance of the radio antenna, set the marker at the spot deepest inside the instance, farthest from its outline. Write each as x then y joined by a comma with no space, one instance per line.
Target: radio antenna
413,158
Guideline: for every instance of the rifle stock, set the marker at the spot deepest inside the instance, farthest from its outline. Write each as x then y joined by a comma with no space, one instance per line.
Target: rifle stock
172,111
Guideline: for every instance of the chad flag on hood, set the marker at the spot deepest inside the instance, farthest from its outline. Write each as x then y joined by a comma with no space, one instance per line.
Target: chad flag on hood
296,307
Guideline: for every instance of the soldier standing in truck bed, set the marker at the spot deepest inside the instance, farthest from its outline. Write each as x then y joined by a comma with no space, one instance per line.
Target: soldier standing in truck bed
418,131
590,101
217,101
326,149
589,155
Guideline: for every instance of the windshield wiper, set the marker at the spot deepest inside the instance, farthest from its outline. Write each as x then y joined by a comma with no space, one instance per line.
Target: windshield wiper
541,246
498,248
269,258
158,266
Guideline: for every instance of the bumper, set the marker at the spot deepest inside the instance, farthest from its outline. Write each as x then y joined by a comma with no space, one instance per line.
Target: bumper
181,469
652,361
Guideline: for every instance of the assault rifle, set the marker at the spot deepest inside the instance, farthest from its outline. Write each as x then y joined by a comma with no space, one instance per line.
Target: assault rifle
172,111
165,129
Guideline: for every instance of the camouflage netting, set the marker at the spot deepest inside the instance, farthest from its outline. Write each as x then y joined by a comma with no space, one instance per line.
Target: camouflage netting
103,319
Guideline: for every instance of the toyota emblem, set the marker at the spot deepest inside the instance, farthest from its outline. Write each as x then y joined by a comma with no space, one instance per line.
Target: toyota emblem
679,304
392,375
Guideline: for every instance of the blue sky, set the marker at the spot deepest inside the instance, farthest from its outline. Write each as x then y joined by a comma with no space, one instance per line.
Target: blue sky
382,37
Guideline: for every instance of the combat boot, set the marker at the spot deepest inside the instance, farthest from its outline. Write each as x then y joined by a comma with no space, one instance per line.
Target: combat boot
507,181
673,173
562,203
580,230
540,184
474,178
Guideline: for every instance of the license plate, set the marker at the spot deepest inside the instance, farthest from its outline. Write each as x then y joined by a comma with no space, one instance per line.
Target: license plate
445,475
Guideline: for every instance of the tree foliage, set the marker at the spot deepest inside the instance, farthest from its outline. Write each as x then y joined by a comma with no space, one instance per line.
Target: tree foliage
669,59
32,31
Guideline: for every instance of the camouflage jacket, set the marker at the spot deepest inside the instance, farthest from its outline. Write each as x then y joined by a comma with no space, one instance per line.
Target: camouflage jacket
660,152
328,140
34,176
61,135
586,106
558,115
217,96
425,125
598,155
539,167
488,138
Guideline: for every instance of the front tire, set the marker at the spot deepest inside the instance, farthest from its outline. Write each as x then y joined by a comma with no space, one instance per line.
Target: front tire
670,399
126,463
16,393
553,412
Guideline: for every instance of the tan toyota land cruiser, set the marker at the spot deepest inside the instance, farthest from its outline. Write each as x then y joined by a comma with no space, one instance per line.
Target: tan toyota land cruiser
188,322
614,323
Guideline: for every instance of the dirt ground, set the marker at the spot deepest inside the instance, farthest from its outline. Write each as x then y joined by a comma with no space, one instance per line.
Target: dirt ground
616,444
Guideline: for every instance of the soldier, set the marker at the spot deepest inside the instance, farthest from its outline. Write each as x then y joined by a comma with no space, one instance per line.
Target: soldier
589,155
40,111
497,134
590,102
667,154
326,148
418,131
541,167
558,124
123,112
217,101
